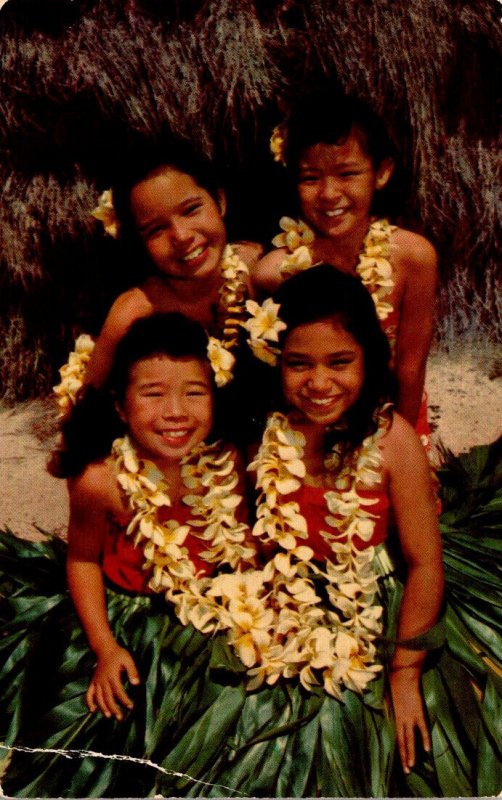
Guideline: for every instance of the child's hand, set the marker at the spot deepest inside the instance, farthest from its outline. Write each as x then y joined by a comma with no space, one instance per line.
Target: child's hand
408,713
106,690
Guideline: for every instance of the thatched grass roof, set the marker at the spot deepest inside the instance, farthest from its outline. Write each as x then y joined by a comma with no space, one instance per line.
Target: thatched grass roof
79,77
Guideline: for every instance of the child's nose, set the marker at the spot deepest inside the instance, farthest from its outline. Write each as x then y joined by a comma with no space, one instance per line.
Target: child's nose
180,232
330,187
320,378
173,406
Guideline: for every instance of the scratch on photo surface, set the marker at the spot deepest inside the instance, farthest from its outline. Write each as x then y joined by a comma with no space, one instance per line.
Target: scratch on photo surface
4,760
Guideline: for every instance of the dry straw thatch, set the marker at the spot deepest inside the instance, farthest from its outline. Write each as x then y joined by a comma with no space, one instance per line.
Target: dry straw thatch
78,77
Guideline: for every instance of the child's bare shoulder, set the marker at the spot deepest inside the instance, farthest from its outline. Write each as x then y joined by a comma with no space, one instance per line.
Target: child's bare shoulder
401,444
131,305
413,250
127,308
266,273
96,485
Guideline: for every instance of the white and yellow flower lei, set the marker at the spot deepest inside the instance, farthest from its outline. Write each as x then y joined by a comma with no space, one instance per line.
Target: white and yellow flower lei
73,372
333,644
373,268
209,474
233,294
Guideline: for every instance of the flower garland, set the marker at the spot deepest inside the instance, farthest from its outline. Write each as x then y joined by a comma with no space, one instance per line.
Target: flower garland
373,268
233,296
72,373
333,644
209,473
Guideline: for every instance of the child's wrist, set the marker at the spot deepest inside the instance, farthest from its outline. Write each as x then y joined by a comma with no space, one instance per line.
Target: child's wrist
102,646
416,667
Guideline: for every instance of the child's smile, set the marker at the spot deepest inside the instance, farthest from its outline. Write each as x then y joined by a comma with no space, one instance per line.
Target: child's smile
180,223
322,371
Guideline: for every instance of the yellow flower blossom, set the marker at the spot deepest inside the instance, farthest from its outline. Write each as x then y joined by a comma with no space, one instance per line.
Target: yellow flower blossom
295,234
221,360
72,373
264,322
277,144
105,213
264,352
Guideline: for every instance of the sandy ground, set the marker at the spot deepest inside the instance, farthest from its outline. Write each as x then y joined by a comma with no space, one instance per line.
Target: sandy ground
465,401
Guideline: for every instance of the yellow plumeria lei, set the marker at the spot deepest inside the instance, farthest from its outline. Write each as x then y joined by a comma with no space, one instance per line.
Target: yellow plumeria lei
233,294
373,268
333,644
210,477
233,297
72,373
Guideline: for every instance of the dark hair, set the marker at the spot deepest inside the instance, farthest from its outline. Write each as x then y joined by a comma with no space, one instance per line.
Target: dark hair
171,334
328,118
146,159
322,293
94,423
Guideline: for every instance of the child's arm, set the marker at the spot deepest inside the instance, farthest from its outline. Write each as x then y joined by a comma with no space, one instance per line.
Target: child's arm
418,260
414,506
266,274
88,521
127,308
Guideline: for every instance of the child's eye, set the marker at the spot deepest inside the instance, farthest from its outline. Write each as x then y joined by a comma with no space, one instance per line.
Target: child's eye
151,233
192,208
197,393
340,362
296,364
308,177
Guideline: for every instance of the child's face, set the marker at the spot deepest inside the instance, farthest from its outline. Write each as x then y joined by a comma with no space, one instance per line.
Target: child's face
336,184
180,224
168,407
322,370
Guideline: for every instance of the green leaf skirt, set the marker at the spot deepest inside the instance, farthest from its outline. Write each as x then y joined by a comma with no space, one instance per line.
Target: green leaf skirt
194,731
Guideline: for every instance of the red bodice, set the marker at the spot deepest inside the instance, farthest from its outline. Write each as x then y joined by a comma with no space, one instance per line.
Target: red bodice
313,507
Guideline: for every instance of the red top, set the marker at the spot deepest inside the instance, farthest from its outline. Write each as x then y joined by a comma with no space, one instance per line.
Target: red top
314,508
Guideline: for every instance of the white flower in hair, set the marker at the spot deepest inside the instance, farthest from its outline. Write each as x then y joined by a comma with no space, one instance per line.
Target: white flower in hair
222,361
264,352
264,322
278,144
105,212
264,326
